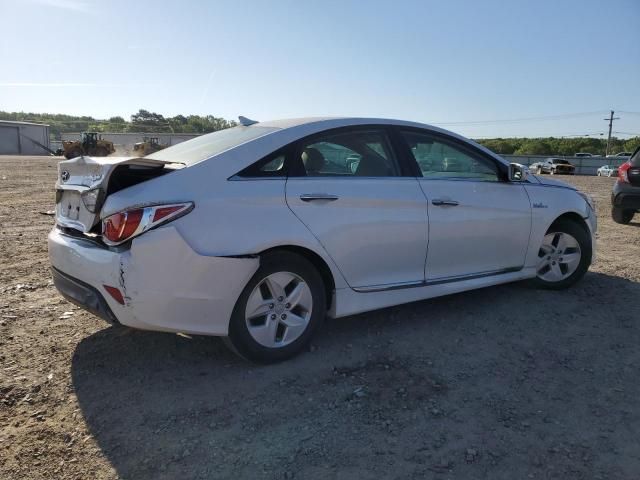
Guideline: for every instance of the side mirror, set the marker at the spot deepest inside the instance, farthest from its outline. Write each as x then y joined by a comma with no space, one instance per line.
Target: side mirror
518,172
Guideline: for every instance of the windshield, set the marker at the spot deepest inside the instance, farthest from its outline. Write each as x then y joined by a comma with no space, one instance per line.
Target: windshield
206,146
561,162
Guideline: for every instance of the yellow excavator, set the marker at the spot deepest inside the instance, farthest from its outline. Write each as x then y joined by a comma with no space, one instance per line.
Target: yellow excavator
148,146
90,144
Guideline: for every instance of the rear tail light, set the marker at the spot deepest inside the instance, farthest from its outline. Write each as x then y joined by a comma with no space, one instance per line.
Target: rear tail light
92,199
123,226
623,172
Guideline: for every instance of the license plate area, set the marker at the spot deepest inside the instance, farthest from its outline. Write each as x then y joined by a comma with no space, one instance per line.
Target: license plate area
69,204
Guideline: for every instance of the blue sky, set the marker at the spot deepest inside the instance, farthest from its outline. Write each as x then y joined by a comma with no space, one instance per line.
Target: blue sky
448,63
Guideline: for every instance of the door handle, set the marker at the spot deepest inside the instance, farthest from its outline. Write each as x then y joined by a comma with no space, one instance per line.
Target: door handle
441,202
309,197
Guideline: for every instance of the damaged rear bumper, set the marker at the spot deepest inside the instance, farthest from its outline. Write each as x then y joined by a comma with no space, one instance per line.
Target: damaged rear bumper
166,285
83,295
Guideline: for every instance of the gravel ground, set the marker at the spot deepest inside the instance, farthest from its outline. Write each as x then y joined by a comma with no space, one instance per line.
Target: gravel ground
501,383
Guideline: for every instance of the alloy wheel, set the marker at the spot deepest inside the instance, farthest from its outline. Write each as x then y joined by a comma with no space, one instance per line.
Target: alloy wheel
559,257
279,309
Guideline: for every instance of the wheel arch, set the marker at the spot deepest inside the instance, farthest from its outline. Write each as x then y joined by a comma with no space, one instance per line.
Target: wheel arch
573,217
316,260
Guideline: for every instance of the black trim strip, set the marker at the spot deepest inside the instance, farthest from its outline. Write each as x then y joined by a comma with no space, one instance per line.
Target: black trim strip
83,295
438,281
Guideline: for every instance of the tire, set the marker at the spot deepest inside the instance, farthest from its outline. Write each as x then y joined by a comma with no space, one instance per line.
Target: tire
99,152
76,152
598,173
621,216
552,172
573,270
272,326
539,170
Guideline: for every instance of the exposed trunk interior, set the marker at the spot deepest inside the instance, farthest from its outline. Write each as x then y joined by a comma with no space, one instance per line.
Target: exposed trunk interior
127,175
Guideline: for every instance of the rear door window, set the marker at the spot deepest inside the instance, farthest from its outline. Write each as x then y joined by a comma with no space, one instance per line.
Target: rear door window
356,153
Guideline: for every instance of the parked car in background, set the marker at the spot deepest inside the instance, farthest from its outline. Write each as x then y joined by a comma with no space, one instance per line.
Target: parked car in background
583,155
625,198
257,232
607,171
553,166
620,155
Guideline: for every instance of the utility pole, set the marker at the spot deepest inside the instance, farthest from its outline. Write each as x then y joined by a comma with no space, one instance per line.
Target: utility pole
610,119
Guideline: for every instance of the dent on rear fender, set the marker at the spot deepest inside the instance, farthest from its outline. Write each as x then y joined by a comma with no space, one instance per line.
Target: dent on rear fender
168,285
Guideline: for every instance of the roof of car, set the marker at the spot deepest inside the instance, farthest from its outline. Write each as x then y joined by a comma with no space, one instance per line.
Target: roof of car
298,127
333,121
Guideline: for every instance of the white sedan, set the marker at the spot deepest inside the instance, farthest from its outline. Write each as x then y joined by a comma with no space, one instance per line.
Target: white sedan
256,233
607,171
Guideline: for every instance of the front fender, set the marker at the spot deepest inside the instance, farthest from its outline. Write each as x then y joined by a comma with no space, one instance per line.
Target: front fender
548,203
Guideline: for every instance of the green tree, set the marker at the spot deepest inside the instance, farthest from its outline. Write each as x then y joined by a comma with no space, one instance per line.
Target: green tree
631,144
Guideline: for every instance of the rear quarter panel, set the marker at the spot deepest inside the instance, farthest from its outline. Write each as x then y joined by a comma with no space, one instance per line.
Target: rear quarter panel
230,217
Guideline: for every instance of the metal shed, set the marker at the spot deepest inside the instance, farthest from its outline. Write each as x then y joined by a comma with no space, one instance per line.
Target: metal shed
23,138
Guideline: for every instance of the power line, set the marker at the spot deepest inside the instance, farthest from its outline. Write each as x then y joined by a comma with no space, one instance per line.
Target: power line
553,135
628,133
584,134
524,119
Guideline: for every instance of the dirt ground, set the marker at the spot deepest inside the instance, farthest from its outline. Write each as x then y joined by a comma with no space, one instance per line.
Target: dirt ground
501,383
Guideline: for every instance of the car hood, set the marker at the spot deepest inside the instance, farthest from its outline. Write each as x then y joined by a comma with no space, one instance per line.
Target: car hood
552,182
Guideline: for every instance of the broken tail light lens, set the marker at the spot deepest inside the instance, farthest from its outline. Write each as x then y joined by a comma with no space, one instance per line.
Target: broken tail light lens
92,199
623,172
125,225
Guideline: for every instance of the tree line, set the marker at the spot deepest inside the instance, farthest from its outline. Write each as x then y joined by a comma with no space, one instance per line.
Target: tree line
141,122
145,121
559,145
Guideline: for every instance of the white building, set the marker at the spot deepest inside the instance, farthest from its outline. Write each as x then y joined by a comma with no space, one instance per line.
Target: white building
23,138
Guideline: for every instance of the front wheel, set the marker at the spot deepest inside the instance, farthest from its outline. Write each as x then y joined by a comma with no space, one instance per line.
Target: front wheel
73,153
279,309
564,256
621,216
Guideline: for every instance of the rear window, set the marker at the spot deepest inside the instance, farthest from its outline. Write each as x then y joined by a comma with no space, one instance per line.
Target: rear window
206,146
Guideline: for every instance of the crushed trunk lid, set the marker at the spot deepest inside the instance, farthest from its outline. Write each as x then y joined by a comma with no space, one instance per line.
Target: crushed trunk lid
84,183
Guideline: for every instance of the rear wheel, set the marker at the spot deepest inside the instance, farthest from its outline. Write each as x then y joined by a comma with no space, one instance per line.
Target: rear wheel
99,152
73,153
279,310
621,216
564,256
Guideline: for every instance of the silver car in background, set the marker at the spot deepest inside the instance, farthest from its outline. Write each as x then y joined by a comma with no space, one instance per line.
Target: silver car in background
256,233
607,171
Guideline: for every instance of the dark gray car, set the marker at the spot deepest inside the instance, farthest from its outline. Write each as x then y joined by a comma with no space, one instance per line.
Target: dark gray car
625,198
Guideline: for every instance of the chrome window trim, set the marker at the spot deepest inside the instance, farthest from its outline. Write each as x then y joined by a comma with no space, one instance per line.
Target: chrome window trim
236,178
